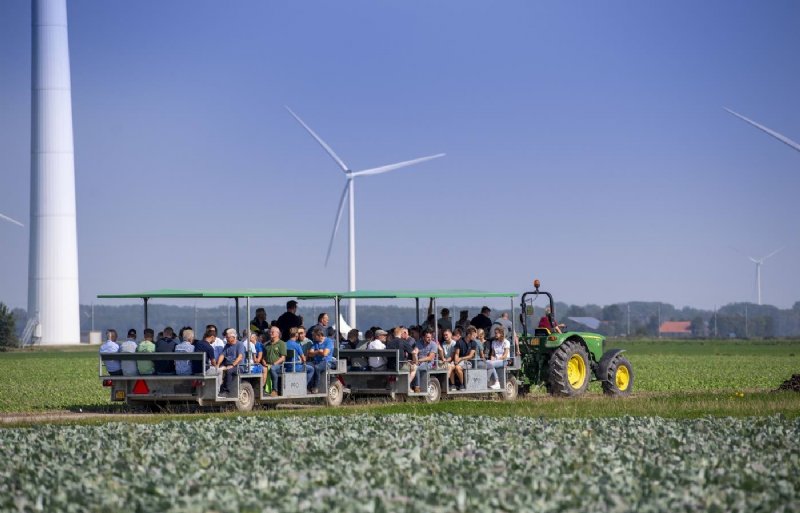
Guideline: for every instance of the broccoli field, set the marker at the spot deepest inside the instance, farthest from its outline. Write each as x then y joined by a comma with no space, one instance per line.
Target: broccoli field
405,463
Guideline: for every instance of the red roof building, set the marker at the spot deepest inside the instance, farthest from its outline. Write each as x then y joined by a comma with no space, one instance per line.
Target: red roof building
676,328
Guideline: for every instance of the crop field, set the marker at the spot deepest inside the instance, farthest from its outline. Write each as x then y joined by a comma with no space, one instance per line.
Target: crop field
46,380
406,463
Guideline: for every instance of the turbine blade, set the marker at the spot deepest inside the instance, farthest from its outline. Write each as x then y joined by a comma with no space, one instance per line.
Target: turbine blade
773,253
11,220
338,218
392,167
322,143
773,133
754,260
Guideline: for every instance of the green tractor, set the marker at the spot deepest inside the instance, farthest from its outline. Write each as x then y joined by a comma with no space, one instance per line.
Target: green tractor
566,362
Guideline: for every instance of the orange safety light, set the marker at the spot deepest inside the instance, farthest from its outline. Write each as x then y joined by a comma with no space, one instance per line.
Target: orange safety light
140,387
536,284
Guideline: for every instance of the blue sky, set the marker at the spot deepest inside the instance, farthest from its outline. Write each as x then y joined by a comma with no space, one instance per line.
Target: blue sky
586,145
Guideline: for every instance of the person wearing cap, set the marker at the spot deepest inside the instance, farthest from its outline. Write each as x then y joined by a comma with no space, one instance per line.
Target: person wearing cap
129,346
482,320
289,319
378,363
548,321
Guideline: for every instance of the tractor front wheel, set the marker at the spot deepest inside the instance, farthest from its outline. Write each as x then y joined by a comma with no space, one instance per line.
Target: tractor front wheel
569,369
619,379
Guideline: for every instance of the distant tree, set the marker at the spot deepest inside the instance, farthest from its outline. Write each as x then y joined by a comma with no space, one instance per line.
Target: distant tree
8,335
698,327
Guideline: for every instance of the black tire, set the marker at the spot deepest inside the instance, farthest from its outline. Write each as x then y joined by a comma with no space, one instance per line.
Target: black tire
619,378
247,397
335,394
434,390
569,370
511,390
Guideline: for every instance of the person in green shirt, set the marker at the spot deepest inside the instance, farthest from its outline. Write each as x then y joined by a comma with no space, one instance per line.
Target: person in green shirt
146,367
274,356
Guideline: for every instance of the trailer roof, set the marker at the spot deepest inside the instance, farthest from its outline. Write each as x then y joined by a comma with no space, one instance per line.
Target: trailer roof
223,293
453,293
309,294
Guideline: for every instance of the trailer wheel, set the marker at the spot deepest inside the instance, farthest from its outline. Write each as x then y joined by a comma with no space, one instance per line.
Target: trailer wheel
434,391
619,380
247,397
335,394
510,391
569,369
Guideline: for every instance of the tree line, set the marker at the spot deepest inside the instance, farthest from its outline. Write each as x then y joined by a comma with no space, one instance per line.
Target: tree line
636,318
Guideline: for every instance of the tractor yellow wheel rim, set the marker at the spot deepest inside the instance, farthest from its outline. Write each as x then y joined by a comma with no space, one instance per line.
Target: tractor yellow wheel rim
623,378
576,371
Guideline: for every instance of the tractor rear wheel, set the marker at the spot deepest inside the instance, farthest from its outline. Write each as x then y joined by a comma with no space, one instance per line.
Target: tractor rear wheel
619,379
569,369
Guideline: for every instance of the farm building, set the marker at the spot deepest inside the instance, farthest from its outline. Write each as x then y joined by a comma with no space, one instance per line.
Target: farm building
676,329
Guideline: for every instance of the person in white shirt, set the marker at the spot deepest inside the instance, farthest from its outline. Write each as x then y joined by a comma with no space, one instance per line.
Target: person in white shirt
378,363
498,356
110,346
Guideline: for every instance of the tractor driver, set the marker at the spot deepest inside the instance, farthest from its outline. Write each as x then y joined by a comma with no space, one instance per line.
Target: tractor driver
549,322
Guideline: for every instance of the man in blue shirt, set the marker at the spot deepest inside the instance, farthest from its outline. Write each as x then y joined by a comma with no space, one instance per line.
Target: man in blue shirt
229,360
322,353
113,367
298,364
428,349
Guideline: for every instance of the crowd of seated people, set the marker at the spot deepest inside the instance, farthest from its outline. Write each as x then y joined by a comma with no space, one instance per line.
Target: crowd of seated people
266,349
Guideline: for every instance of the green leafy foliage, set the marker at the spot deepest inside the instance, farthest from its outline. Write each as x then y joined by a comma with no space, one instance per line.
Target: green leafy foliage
8,335
405,463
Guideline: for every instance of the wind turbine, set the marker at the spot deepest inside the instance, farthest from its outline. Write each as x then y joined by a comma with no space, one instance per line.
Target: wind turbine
759,262
11,220
773,133
349,193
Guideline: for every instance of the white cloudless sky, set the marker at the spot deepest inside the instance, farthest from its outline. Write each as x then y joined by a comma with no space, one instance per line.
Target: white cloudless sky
586,145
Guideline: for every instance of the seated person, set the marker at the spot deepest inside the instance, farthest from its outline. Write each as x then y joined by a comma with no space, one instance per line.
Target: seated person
298,362
406,351
427,349
146,367
184,367
322,354
229,360
466,351
204,345
549,322
499,353
166,344
446,353
274,357
378,363
129,346
113,367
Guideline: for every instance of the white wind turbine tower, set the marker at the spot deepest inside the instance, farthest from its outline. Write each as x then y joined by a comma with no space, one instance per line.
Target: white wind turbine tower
759,262
348,193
